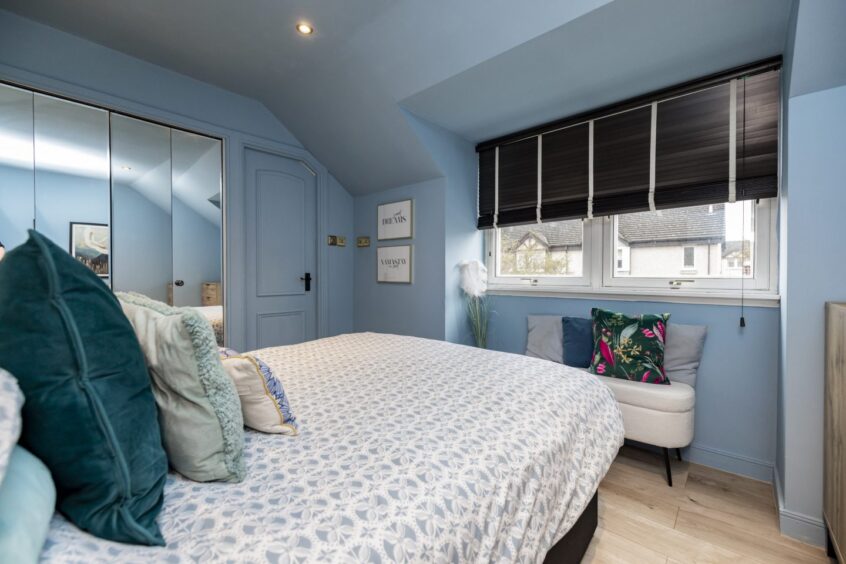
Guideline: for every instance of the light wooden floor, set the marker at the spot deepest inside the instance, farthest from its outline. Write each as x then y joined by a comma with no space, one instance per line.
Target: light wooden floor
709,516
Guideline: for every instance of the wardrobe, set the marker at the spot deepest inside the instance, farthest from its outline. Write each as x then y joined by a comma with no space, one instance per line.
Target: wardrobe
834,505
138,202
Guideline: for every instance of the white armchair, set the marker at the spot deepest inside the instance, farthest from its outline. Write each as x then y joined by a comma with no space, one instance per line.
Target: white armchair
654,414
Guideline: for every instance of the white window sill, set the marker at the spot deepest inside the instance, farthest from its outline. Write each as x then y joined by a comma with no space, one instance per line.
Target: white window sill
751,298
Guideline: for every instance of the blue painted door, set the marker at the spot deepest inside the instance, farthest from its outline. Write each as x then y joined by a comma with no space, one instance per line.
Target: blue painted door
281,241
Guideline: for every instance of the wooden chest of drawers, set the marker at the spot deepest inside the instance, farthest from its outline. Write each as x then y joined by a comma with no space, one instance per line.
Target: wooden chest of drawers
211,295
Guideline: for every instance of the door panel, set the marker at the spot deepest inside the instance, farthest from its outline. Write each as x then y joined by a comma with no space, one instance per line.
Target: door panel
273,328
281,249
17,193
197,221
141,207
280,231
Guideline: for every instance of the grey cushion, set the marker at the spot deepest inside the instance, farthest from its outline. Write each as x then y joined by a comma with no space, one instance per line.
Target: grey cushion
683,351
546,338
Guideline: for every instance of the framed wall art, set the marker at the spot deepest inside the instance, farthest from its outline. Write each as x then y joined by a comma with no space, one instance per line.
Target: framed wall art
395,220
89,244
393,264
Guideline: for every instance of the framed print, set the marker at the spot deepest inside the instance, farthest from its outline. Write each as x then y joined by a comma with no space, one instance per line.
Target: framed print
393,264
89,244
396,220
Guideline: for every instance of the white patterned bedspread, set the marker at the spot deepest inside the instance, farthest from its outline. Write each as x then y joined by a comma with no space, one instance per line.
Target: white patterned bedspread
410,450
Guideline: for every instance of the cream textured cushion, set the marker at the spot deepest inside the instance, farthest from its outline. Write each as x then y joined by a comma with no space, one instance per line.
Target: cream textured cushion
263,400
199,410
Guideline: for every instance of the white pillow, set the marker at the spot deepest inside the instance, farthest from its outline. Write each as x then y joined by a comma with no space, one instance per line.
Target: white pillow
546,338
11,400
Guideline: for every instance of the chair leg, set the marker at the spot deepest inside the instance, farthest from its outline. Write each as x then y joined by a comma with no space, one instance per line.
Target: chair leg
667,465
678,454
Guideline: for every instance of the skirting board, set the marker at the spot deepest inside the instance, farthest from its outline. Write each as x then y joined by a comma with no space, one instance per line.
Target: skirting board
797,525
730,462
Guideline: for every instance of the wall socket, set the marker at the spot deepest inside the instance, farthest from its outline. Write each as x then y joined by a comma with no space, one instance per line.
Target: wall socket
362,242
337,241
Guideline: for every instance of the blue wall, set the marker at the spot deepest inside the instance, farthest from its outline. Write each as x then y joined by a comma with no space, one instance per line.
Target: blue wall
813,269
406,309
461,241
817,271
341,260
444,235
736,385
45,58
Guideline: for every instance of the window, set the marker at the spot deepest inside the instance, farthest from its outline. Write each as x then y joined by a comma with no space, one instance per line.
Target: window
715,248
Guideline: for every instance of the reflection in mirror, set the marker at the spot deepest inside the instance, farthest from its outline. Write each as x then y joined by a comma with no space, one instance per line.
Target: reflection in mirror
197,221
72,179
17,196
141,207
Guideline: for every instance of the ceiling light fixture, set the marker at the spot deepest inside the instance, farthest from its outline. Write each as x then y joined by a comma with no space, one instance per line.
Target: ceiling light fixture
304,29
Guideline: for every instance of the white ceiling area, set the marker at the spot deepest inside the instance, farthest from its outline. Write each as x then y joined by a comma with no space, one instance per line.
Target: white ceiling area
479,68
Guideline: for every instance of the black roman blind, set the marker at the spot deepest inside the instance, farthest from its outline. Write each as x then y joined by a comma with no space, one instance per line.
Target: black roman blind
708,141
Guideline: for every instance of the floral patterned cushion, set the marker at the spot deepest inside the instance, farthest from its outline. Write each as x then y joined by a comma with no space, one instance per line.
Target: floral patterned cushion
627,347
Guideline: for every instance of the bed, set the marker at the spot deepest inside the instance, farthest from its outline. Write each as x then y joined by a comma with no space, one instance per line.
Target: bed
410,450
215,316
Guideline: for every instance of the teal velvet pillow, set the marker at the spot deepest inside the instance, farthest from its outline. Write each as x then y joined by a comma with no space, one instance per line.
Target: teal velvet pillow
89,413
627,347
27,501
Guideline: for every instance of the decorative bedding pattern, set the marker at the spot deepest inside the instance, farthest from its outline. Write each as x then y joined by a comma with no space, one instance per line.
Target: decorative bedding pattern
215,316
410,450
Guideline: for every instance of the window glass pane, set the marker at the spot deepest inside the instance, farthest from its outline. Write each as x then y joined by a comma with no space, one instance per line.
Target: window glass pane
547,249
711,241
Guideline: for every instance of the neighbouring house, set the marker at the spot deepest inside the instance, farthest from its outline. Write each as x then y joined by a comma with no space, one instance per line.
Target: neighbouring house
668,243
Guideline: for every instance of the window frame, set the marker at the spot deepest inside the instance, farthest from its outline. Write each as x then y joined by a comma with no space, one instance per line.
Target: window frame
599,261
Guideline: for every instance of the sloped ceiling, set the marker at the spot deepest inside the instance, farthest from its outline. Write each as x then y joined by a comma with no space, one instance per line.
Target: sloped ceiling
476,67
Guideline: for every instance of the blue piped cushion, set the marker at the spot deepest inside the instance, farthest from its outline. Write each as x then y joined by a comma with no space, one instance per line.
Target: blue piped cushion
263,400
89,412
578,341
27,502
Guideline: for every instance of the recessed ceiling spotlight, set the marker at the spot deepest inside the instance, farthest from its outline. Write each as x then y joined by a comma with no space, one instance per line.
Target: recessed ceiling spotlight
304,29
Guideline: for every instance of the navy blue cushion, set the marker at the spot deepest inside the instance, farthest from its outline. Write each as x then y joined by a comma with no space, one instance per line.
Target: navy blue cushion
578,341
89,413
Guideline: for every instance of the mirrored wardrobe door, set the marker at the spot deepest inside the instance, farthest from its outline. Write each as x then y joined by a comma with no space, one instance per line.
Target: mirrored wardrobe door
197,222
17,193
142,240
72,179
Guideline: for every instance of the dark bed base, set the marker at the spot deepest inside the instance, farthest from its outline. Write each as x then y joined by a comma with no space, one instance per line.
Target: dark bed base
572,547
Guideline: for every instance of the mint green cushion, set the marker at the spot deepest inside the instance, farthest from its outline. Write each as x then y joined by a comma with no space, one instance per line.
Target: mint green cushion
89,412
27,501
199,408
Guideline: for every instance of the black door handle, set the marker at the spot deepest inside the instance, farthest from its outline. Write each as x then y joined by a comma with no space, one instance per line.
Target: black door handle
179,283
307,280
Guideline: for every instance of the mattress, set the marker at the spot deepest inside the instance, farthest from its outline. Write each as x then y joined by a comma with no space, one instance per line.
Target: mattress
410,450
